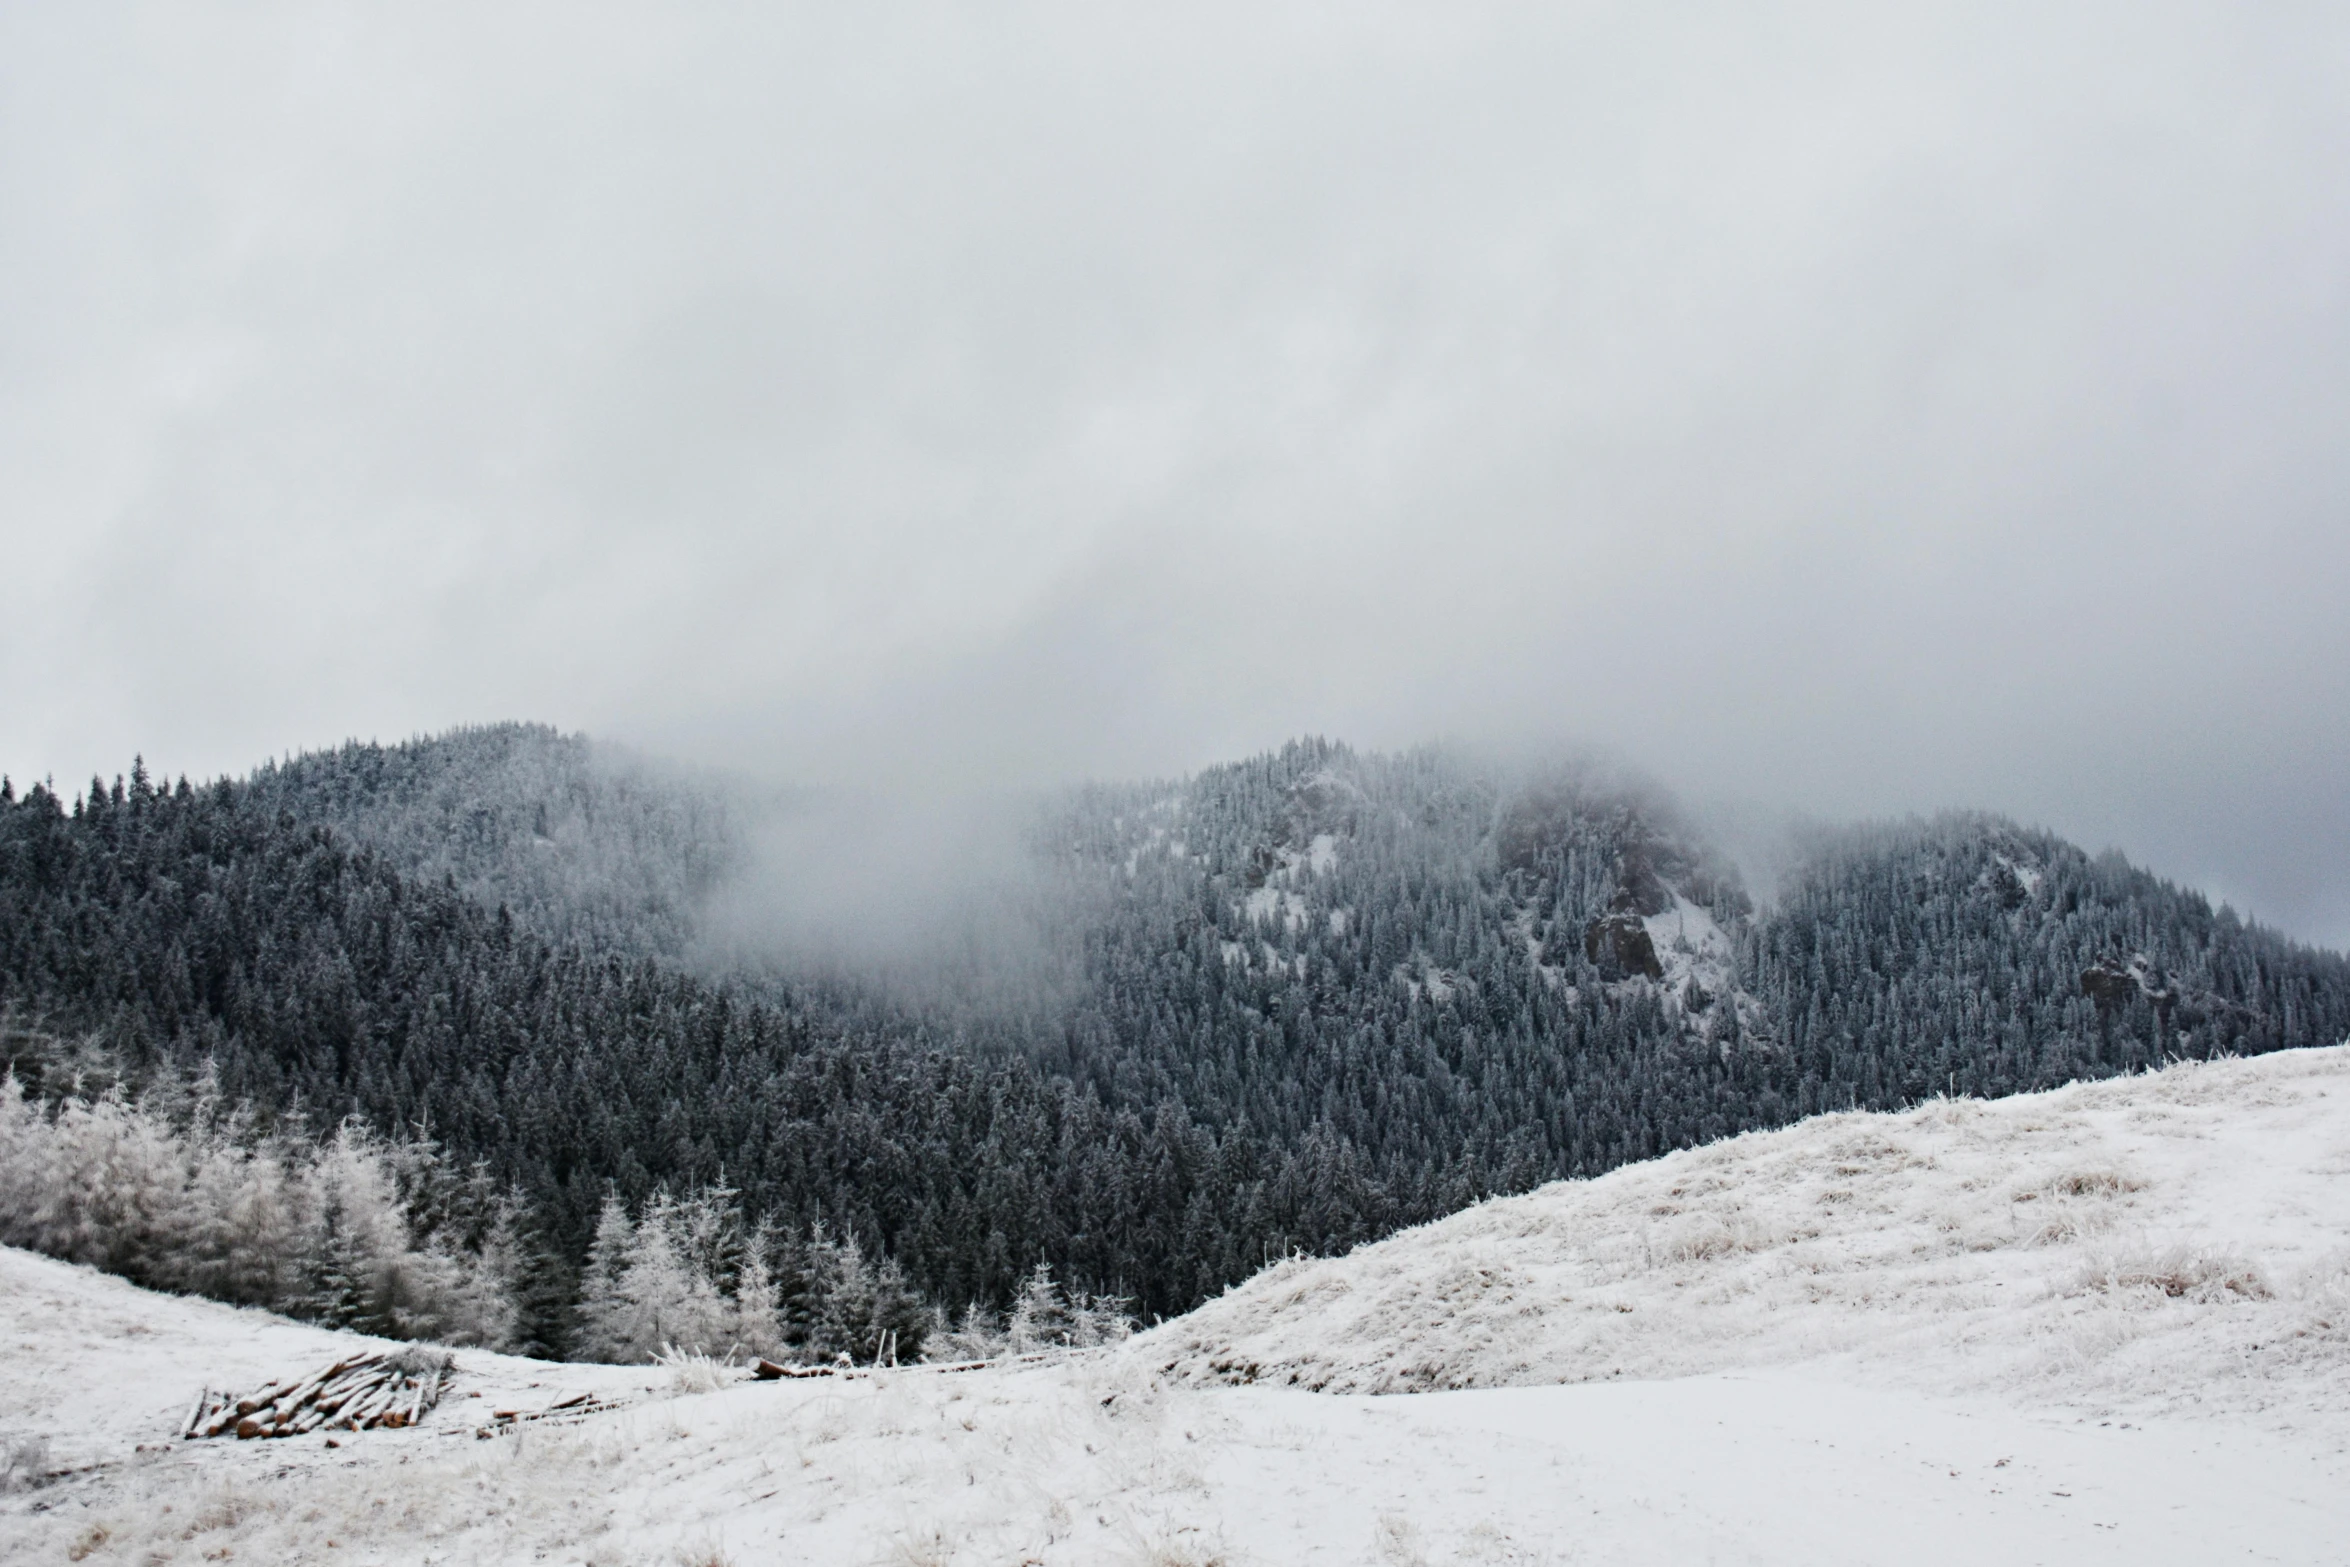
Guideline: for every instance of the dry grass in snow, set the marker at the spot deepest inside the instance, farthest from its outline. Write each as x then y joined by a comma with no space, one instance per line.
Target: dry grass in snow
2107,1324
2176,1238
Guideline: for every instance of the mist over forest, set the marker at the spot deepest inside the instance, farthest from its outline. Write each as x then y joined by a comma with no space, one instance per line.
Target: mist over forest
1366,449
1854,411
594,1030
815,763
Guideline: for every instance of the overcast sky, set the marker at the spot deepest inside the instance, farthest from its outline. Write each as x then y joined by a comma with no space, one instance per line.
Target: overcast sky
1863,408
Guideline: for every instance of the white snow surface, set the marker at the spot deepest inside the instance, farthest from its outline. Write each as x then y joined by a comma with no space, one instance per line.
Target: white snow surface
1945,1336
1271,905
2172,1240
2027,875
1322,853
1692,948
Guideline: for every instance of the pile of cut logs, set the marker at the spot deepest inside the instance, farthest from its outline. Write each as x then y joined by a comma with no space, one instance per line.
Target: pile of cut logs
357,1394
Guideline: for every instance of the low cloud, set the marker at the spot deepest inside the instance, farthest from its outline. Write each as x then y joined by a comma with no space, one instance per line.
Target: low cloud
1842,408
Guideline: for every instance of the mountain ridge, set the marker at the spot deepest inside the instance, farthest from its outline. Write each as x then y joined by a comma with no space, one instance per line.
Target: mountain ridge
1290,1003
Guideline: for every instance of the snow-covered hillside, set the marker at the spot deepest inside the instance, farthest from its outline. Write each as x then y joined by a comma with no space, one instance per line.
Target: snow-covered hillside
2107,1324
2141,1243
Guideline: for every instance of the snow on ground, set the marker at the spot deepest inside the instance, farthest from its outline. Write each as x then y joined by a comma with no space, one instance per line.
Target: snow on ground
2142,1243
1945,1336
1322,853
1270,905
1690,945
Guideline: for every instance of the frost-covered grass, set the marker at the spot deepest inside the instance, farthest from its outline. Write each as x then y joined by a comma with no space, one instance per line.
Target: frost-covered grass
2172,1239
2108,1324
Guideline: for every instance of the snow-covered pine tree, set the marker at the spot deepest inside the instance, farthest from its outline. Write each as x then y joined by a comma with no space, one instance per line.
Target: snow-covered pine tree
339,1295
484,1307
758,1315
841,1284
978,1334
1040,1319
601,1323
900,1321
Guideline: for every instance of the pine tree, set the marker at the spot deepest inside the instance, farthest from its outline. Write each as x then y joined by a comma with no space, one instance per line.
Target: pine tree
339,1295
1040,1319
758,1314
603,1331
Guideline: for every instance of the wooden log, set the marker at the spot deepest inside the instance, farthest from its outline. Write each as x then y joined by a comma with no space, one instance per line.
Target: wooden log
349,1393
394,1414
368,1381
196,1414
220,1420
369,1364
308,1389
372,1407
334,1387
261,1398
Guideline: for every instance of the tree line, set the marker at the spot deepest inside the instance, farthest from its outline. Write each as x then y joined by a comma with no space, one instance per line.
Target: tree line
1318,995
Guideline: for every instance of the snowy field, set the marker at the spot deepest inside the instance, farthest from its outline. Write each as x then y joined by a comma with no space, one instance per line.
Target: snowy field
2106,1324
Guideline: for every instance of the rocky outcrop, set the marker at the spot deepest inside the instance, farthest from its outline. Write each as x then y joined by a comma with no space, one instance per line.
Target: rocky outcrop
1321,803
1656,851
2108,984
1618,945
2112,984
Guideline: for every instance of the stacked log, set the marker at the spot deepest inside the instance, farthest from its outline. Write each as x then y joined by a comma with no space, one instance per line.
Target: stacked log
360,1393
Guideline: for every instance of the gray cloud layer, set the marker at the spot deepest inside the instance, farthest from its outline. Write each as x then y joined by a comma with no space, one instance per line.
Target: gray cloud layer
1864,407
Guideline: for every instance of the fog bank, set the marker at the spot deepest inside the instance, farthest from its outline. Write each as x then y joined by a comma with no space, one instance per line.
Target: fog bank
1840,408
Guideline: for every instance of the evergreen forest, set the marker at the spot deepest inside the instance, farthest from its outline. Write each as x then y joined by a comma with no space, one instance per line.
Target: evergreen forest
463,1011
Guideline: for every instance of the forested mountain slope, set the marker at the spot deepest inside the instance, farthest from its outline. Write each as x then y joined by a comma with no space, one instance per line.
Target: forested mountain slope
1318,994
584,843
177,927
1968,954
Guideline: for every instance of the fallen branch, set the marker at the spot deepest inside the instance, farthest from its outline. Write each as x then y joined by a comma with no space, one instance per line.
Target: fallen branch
577,1407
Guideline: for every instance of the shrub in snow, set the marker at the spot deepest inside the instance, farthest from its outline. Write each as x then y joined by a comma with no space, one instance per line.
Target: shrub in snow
690,1372
2092,1183
24,1462
1717,1237
2327,1294
978,1334
2180,1273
